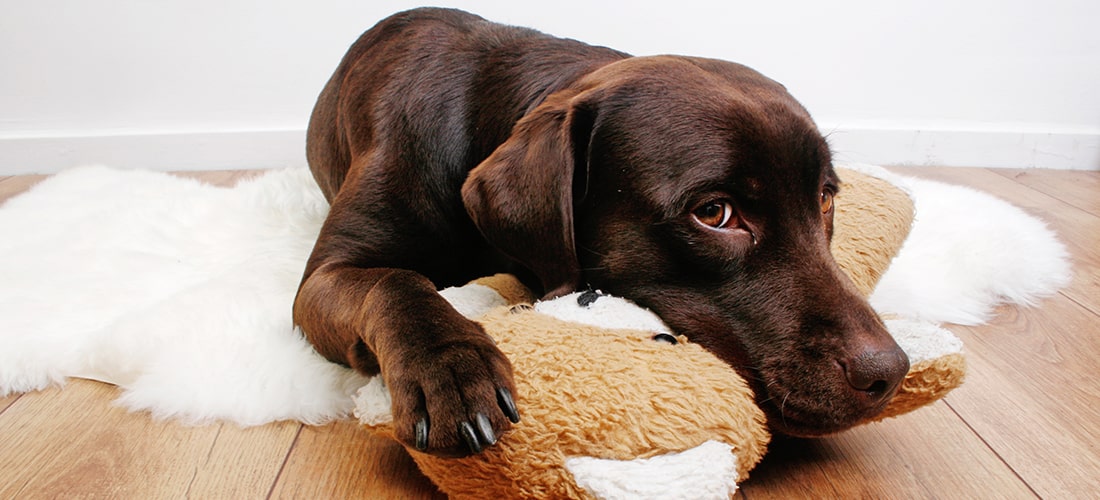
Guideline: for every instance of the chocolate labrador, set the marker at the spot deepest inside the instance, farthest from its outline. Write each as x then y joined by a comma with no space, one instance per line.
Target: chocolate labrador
452,148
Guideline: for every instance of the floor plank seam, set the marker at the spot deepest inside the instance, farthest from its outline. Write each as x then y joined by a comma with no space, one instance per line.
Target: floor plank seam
286,460
1078,303
14,397
1046,190
214,443
991,449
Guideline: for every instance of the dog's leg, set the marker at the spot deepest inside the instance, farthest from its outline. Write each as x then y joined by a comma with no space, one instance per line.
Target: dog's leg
452,388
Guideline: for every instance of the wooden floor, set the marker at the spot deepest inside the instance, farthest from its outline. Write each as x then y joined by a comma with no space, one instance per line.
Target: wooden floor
1025,424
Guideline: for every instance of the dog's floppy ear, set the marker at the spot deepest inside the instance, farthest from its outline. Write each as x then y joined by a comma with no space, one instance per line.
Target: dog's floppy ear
522,196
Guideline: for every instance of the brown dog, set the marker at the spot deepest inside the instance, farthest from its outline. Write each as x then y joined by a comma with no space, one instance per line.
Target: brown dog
453,148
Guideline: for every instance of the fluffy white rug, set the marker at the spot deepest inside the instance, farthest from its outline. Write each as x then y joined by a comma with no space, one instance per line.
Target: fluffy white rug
181,293
967,253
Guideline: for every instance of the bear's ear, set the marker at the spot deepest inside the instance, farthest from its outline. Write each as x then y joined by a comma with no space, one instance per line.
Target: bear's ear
521,197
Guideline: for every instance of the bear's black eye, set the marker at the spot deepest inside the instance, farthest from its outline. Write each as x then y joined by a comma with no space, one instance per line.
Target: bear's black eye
588,298
665,337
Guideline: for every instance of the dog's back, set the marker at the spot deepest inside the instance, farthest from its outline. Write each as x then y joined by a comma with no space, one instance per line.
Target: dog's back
446,86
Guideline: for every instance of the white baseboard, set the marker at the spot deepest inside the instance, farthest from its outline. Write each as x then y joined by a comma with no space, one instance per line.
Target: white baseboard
214,150
992,147
883,145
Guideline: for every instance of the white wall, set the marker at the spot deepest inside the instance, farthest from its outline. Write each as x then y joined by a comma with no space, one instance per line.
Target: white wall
230,83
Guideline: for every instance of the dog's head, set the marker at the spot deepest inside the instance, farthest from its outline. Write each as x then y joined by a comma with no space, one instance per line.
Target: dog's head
701,190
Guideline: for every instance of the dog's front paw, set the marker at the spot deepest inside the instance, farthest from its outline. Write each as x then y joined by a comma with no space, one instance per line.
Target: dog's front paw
453,399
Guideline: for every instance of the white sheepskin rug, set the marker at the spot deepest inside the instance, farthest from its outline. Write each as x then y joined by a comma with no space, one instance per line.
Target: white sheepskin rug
180,293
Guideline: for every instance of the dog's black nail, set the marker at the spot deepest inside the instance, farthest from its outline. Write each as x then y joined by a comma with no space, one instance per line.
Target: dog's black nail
421,433
587,298
665,337
469,436
485,429
507,404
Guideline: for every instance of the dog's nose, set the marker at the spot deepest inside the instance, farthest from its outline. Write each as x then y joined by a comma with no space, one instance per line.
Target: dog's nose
877,372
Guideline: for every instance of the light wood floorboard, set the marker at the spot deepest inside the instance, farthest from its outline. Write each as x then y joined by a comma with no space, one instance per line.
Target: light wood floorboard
1025,424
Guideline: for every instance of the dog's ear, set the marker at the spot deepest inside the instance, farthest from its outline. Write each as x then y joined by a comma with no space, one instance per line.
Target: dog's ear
522,196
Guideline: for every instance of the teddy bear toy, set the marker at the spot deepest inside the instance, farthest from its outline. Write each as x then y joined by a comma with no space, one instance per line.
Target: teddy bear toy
616,405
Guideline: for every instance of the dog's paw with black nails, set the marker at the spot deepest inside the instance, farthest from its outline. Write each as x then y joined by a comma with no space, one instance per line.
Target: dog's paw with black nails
452,400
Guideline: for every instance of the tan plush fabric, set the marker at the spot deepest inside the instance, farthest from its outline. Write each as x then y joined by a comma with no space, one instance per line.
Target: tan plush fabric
926,383
508,287
616,394
872,220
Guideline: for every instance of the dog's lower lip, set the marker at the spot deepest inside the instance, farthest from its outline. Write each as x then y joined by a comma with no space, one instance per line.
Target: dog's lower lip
800,429
797,423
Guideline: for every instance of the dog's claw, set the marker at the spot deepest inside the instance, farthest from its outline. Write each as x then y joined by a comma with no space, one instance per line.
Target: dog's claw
485,430
508,405
469,436
421,433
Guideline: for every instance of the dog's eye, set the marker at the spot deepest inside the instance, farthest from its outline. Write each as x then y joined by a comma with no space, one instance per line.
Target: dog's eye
826,201
716,214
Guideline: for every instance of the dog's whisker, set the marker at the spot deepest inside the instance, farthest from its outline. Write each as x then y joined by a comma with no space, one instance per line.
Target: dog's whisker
593,252
782,408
